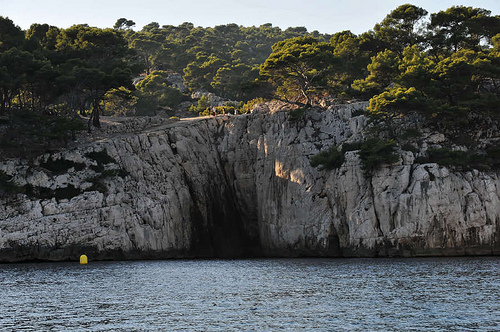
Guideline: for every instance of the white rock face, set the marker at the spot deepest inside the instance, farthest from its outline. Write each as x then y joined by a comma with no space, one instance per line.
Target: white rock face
242,186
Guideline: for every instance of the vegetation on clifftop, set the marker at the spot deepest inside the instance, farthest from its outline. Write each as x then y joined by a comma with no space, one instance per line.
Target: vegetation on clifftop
444,67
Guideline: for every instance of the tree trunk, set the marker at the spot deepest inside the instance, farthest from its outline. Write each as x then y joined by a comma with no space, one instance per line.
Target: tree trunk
95,114
307,97
89,124
3,104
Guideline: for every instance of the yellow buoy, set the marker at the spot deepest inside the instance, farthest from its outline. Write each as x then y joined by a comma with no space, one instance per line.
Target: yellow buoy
83,260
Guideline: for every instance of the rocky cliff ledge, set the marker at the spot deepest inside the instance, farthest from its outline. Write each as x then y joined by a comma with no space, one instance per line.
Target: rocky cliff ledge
237,187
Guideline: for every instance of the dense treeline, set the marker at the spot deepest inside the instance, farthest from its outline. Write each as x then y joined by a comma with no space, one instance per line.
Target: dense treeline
50,70
78,69
443,65
49,75
224,60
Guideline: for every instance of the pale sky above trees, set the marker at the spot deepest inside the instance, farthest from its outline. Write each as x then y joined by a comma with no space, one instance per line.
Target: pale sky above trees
326,16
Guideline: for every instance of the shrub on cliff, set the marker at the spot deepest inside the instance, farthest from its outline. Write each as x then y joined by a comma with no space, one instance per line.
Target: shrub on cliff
203,105
249,105
373,152
33,132
486,160
329,159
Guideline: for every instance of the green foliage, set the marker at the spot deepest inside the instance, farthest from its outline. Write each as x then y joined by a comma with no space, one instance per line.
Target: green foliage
123,24
375,152
411,133
446,68
443,91
235,81
493,157
351,146
486,160
397,101
415,69
399,29
383,71
199,73
46,127
447,157
43,35
329,159
461,27
249,105
299,68
34,132
155,92
226,109
10,34
81,64
447,81
224,59
461,79
350,64
202,106
297,114
120,102
205,112
17,68
410,147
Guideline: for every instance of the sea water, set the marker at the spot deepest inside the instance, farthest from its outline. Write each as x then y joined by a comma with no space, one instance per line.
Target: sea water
438,294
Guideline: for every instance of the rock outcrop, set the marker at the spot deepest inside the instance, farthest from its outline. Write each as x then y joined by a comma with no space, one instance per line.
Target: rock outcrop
238,187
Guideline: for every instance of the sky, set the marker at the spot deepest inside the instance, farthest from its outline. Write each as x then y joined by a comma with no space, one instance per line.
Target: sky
325,16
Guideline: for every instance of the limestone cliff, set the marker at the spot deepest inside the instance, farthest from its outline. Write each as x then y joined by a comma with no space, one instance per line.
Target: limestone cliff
241,186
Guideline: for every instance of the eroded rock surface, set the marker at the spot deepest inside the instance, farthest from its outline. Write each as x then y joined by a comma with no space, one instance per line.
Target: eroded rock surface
242,186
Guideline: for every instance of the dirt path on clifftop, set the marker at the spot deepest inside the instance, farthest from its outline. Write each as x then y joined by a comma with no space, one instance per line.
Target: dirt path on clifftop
115,127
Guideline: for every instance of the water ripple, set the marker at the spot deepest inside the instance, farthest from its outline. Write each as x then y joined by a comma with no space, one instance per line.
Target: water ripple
253,295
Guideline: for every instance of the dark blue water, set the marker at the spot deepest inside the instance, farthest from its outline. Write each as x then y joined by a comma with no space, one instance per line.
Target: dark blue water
458,294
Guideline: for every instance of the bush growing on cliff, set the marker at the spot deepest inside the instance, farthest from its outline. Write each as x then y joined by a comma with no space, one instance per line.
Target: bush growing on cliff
329,159
376,152
493,157
373,152
447,157
202,106
33,132
297,114
489,159
249,105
